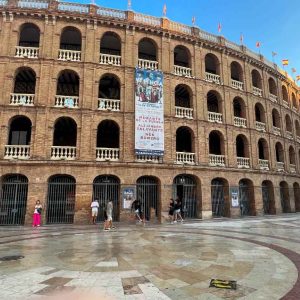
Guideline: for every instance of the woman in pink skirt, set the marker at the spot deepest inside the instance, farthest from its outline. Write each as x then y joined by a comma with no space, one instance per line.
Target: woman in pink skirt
37,214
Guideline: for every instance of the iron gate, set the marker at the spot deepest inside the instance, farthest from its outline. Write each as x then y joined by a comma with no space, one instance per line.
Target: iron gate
245,195
147,194
284,198
105,188
13,200
185,188
267,198
218,198
61,200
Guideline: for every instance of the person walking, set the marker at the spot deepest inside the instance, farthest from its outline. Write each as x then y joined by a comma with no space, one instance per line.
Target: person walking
137,208
177,209
171,210
37,214
95,208
108,225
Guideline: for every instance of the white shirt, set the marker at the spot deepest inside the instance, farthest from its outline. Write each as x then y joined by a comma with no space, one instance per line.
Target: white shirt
95,205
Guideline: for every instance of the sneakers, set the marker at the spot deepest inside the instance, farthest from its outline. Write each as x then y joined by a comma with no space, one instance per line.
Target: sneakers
107,229
175,222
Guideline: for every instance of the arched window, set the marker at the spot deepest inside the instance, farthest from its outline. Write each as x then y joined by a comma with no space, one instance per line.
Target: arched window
109,87
279,152
29,36
285,96
239,109
236,71
297,128
216,143
263,149
182,96
19,131
288,124
212,64
214,102
275,118
65,132
294,100
184,140
25,81
182,57
292,156
110,44
272,86
242,146
147,49
256,79
259,113
70,39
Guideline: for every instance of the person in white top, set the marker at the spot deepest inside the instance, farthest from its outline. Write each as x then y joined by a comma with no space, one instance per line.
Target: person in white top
37,214
95,208
109,209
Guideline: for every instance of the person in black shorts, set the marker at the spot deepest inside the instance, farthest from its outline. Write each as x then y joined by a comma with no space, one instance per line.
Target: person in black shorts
137,208
171,210
177,209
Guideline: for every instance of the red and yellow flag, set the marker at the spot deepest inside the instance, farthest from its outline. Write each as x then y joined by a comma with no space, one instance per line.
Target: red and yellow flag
285,62
298,77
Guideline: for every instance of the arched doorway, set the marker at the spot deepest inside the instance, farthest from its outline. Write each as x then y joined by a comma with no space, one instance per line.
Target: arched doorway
106,187
185,188
296,187
220,197
268,197
61,199
285,197
246,196
13,199
147,192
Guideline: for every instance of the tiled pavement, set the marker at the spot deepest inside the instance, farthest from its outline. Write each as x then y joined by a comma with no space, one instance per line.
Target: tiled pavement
154,262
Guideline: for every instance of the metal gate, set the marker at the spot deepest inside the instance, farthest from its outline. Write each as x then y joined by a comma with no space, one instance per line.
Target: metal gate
147,194
13,199
218,198
284,198
61,200
267,198
105,188
185,188
245,195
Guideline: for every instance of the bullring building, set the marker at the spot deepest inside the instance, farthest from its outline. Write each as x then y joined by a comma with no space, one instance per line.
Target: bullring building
98,103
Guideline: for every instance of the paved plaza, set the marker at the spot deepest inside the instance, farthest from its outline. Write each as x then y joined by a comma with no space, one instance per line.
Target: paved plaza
154,262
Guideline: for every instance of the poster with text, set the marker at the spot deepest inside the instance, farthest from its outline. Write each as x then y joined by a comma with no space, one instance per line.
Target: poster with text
128,196
149,113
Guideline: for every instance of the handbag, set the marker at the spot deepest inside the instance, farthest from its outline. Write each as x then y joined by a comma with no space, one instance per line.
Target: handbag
39,210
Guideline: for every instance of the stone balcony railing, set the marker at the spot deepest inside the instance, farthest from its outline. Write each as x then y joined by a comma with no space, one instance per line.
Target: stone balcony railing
27,52
17,152
215,117
238,85
273,98
293,168
289,135
109,104
148,159
276,130
280,166
285,103
69,55
147,64
216,160
109,59
183,112
295,109
22,99
243,162
63,152
107,154
213,78
240,122
185,158
263,164
260,126
33,4
67,101
182,71
257,92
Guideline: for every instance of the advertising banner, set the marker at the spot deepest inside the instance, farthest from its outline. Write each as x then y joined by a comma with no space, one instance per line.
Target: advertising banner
149,113
128,196
234,197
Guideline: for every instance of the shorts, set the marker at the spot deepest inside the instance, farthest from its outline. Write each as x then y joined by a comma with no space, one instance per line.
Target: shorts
137,212
176,211
94,212
109,217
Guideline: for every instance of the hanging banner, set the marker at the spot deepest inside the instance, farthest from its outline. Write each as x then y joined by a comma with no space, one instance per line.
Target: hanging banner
149,113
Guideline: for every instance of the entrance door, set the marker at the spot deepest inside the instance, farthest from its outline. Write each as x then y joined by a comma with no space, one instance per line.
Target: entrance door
218,198
13,199
245,194
185,188
61,200
266,199
105,188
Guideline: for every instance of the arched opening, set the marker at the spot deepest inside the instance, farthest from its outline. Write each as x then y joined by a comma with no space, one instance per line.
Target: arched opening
65,132
212,64
29,36
297,127
20,131
147,192
182,57
263,149
184,140
272,87
285,96
276,118
259,113
268,197
294,100
216,143
285,197
236,71
239,109
242,146
108,137
182,96
288,124
296,187
109,87
256,79
147,49
292,156
220,197
214,102
70,39
107,187
185,188
246,197
25,81
61,199
279,152
13,199
110,44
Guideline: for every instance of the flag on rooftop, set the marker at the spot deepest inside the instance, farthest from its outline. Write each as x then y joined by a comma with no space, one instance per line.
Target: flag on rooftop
258,44
294,70
298,77
274,53
165,10
242,39
285,62
129,5
194,20
219,27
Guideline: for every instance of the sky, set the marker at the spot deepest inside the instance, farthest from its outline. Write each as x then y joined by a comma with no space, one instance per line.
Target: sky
274,23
